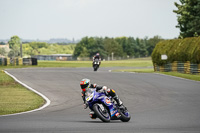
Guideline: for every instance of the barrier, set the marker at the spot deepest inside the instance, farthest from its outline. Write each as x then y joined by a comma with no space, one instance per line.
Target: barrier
27,61
34,61
18,61
8,61
194,68
1,61
174,66
186,67
180,67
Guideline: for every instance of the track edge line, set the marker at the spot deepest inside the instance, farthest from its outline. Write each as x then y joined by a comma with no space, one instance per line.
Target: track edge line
28,87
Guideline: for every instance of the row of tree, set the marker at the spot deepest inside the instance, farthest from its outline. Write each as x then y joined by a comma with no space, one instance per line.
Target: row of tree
119,47
43,48
35,48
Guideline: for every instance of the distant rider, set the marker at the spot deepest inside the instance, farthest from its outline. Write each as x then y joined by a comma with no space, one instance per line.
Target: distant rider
97,56
85,85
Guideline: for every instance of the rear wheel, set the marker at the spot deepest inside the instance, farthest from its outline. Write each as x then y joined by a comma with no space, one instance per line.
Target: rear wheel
101,114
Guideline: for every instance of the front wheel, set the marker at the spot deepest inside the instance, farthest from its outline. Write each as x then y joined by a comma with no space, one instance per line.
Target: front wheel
95,67
101,112
125,115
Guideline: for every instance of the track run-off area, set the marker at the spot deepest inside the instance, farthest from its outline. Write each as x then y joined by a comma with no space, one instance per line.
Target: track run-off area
157,103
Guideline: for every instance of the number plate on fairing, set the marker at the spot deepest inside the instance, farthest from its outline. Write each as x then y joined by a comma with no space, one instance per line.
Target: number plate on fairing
90,97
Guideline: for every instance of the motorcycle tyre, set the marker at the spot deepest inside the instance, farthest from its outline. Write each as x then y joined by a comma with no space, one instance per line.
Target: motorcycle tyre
123,117
98,113
95,68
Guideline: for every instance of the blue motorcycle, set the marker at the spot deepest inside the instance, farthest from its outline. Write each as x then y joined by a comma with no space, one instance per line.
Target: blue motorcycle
105,108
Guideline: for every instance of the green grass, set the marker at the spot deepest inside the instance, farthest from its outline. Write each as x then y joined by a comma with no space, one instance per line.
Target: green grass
119,63
149,70
182,75
15,98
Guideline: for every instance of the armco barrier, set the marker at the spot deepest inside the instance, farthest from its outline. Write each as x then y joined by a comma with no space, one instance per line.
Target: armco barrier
186,67
18,61
194,68
8,61
34,61
180,67
27,61
174,66
5,61
1,61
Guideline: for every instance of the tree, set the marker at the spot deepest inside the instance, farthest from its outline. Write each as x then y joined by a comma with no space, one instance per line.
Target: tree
14,44
142,43
14,40
88,47
14,52
112,46
2,51
152,43
130,47
188,16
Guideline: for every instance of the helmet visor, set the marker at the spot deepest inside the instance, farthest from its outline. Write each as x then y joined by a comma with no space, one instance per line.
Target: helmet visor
84,86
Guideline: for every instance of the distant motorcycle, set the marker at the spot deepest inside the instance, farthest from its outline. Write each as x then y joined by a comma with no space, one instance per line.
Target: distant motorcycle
96,64
105,108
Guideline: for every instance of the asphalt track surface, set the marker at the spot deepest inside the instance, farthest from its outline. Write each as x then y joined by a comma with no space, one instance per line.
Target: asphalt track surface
157,103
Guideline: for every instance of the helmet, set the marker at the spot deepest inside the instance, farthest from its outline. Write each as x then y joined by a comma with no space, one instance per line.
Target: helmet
84,84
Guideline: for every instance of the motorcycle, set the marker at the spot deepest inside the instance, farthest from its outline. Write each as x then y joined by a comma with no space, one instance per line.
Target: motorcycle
105,108
96,64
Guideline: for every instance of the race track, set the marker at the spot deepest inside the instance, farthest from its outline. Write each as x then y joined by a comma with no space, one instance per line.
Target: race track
157,103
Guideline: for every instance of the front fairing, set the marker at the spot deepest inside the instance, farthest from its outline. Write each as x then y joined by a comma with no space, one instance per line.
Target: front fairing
96,98
101,98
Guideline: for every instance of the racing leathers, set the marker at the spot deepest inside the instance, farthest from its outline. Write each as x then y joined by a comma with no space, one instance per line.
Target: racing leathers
106,90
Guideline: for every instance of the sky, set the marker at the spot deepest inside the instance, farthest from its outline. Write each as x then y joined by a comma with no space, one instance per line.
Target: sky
45,19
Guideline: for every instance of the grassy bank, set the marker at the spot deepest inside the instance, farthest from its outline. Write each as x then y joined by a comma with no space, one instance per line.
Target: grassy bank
15,98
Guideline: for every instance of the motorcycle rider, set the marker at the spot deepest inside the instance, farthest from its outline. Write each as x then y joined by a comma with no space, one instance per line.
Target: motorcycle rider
97,56
85,85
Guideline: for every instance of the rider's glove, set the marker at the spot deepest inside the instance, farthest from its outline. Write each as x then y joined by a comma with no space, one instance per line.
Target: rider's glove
85,105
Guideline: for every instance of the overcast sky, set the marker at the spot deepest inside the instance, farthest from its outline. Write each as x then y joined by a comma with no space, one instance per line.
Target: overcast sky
45,19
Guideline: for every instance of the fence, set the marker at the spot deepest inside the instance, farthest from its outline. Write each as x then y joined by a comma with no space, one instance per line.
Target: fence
181,67
17,61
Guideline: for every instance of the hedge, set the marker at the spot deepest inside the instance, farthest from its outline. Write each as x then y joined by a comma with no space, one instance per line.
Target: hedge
180,50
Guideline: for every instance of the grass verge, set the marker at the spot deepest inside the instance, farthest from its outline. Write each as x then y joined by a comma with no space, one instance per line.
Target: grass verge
15,98
150,70
118,63
182,75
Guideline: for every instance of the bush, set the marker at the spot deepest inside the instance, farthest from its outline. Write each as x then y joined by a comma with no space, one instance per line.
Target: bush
182,50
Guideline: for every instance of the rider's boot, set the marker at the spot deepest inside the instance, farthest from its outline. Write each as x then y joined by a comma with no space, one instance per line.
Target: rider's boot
119,103
92,115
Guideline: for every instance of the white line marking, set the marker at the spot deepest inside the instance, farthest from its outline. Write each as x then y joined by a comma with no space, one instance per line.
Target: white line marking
43,96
